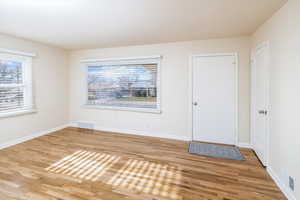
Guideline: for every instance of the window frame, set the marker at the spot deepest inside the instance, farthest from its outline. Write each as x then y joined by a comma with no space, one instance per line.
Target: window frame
124,61
27,85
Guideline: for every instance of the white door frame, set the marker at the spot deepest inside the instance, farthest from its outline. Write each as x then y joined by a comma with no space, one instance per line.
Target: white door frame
192,57
253,92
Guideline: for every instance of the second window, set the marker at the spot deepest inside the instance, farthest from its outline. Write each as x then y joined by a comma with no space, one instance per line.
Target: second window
131,84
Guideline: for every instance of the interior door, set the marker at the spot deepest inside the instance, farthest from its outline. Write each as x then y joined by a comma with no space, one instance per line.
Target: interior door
260,93
214,98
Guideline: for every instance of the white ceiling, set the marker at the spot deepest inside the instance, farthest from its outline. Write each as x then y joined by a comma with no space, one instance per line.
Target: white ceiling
78,24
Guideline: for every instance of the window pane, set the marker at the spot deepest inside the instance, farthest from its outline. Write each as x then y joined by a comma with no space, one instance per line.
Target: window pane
11,98
10,72
132,86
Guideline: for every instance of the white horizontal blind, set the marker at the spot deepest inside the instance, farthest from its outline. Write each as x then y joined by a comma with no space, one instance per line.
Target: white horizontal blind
11,98
14,85
123,85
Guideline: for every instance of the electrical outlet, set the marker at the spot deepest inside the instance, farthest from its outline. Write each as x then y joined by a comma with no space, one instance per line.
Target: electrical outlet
291,183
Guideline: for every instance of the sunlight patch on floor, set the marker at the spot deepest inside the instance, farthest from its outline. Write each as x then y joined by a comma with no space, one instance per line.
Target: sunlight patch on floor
134,175
84,165
149,178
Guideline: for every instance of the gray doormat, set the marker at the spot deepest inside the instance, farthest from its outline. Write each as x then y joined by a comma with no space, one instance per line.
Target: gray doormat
215,150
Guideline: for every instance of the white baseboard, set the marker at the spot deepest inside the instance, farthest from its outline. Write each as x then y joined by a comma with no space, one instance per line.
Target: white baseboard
30,137
136,132
244,145
286,191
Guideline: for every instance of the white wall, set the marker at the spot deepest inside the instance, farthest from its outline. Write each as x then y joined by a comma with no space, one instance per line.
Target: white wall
59,75
176,117
50,75
283,32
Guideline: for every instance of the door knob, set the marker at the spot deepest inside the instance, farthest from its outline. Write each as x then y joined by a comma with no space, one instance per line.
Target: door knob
195,103
263,112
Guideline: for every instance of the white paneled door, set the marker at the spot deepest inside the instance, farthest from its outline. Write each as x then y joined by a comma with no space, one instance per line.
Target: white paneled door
214,98
260,95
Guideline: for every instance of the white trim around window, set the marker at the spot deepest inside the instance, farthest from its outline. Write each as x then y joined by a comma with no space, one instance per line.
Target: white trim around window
25,90
125,61
18,53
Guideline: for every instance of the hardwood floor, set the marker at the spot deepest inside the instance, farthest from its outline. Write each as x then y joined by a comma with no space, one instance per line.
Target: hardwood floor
78,164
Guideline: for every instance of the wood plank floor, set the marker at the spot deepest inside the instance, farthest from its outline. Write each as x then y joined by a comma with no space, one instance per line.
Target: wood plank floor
78,164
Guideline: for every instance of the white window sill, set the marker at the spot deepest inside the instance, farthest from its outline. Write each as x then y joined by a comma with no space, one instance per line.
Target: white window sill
17,113
145,110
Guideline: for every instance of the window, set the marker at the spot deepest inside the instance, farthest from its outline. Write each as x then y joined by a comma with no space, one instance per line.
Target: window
125,84
15,84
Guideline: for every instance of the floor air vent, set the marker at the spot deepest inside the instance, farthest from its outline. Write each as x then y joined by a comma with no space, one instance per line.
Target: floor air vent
85,125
